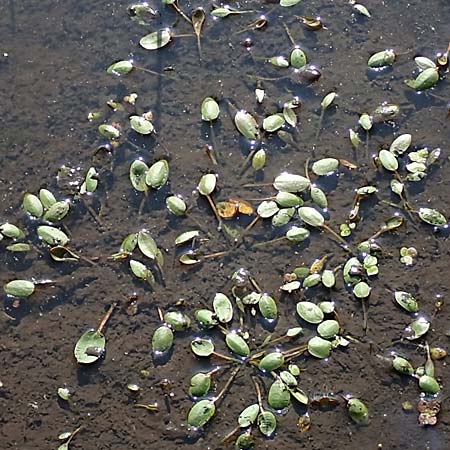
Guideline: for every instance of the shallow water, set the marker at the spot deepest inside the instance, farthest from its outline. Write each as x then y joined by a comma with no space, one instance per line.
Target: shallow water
52,74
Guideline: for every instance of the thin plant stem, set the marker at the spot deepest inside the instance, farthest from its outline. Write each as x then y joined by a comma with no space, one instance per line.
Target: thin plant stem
258,393
225,357
181,13
319,126
214,144
106,318
262,244
365,315
227,385
339,238
74,433
213,207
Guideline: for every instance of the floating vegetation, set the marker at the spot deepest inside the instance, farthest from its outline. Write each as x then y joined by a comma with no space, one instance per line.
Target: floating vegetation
240,332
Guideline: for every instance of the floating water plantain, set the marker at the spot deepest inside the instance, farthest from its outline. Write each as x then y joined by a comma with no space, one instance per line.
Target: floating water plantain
32,205
162,340
120,68
176,205
402,366
209,109
91,345
52,236
287,182
429,385
328,329
177,320
157,174
19,288
271,361
325,166
309,312
319,347
406,301
109,131
298,58
142,271
288,3
200,384
246,125
425,80
201,413
237,344
156,40
141,125
57,211
279,396
273,123
202,347
358,411
382,59
223,308
432,217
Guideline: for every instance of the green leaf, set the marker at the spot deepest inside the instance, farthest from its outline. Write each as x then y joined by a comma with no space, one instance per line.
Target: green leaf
298,58
328,329
267,209
282,217
202,347
207,184
319,197
210,109
358,411
400,144
268,307
89,347
138,172
267,423
297,234
109,131
142,271
141,125
177,320
120,68
279,396
19,247
90,182
424,63
52,236
325,166
417,328
11,231
319,347
248,416
237,344
200,384
327,101
186,237
273,123
403,366
366,121
279,61
19,288
147,244
201,413
311,216
176,205
361,290
46,198
32,205
162,340
223,308
246,125
432,217
206,318
57,211
388,160
425,80
288,182
156,40
288,3
271,361
309,312
406,301
429,385
259,160
382,59
158,174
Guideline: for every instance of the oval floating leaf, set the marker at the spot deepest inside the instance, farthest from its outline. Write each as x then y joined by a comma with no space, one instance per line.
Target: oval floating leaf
406,301
358,411
201,413
279,396
90,347
325,166
200,384
382,59
162,340
57,211
19,288
271,361
52,236
32,205
207,184
156,40
202,347
210,109
309,312
141,125
246,125
273,123
287,182
248,416
158,174
223,308
120,68
311,216
432,217
237,344
267,423
319,347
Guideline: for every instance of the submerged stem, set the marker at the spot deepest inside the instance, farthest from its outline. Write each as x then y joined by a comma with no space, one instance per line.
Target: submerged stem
106,318
227,385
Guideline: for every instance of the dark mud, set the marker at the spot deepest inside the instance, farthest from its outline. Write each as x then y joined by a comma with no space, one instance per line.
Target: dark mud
52,74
